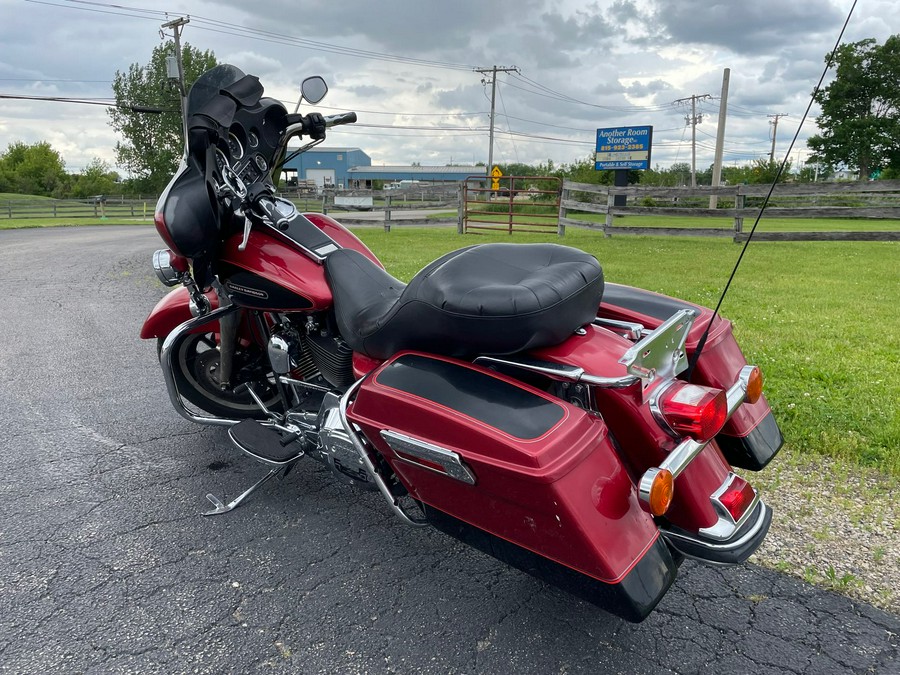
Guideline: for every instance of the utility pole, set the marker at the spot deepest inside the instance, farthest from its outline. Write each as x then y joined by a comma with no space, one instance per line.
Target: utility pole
493,73
177,25
693,120
720,138
774,125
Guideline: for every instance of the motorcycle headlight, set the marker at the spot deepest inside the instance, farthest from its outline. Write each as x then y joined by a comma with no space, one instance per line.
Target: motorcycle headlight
166,267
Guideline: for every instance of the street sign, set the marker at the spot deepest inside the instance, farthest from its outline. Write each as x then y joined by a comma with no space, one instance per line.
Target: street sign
623,148
496,174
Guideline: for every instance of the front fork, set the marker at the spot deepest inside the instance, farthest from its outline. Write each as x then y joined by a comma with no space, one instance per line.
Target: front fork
228,329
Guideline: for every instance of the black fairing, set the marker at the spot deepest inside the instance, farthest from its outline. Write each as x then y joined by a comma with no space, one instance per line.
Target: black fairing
192,213
190,210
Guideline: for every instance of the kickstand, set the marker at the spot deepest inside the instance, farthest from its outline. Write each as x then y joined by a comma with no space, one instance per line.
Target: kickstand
234,503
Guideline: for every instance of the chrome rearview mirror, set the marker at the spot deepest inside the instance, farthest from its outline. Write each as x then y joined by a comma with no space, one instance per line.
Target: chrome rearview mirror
313,89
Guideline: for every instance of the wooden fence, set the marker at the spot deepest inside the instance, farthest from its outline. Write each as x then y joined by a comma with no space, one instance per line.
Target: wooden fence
112,207
850,200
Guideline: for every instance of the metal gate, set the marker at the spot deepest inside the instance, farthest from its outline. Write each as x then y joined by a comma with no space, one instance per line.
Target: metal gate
509,204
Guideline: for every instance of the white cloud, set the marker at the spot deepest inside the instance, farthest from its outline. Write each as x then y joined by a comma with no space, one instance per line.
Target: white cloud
629,59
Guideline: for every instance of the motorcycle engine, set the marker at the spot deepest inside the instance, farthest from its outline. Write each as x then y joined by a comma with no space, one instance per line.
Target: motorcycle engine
336,449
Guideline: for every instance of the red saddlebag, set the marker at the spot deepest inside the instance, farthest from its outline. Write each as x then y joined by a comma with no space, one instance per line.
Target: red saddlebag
523,476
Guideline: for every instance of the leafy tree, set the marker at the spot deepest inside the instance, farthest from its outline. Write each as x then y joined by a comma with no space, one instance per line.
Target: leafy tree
583,171
95,179
860,118
152,144
35,169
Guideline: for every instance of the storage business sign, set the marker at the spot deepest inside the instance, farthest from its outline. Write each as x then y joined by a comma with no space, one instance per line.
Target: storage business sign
623,148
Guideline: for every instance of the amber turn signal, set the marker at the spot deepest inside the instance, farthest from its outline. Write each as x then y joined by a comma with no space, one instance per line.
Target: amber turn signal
656,489
754,386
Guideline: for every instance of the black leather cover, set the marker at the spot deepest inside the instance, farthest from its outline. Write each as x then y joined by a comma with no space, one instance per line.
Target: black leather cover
485,299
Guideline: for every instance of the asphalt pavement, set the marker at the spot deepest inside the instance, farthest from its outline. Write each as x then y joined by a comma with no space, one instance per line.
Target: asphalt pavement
106,565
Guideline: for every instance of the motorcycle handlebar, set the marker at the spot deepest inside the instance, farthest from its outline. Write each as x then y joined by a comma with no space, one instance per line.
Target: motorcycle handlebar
343,118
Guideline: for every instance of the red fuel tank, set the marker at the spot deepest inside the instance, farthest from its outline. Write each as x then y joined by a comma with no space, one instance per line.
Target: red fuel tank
273,273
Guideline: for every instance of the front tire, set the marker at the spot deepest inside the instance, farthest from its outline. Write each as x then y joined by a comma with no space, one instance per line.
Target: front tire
195,362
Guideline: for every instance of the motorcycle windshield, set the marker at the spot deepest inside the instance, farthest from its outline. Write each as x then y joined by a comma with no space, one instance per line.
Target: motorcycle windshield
209,84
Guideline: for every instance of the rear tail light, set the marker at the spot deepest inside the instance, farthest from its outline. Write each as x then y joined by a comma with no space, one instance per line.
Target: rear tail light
736,496
693,411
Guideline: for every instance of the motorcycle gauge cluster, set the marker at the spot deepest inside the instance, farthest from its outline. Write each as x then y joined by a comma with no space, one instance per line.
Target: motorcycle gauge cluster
235,147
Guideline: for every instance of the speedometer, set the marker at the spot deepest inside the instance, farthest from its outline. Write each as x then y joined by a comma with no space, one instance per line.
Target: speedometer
234,147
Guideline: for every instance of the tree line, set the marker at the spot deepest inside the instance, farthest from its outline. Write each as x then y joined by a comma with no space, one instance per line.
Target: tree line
38,169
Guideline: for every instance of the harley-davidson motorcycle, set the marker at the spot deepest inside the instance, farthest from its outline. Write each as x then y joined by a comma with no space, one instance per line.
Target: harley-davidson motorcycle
581,431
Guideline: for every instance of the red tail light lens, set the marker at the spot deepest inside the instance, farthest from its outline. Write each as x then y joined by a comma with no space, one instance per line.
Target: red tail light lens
737,497
694,411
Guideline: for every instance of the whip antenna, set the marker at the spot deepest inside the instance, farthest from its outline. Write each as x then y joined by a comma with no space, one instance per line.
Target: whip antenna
702,342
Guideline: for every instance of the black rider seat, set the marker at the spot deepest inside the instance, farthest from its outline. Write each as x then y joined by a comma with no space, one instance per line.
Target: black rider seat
483,299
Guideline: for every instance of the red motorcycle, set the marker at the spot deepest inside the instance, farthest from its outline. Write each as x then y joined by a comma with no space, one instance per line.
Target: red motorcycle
580,431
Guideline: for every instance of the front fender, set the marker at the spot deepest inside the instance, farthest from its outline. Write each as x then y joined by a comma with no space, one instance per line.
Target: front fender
173,310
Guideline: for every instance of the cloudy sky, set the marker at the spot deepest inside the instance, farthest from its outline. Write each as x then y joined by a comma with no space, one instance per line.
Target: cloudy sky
406,67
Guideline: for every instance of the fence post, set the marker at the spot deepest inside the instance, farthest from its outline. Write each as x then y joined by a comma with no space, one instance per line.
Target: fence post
9,207
738,218
563,212
610,202
387,213
461,208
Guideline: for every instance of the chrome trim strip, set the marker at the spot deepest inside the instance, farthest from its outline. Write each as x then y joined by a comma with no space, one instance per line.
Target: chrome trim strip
165,361
683,454
656,410
737,393
364,456
560,371
757,526
300,383
453,465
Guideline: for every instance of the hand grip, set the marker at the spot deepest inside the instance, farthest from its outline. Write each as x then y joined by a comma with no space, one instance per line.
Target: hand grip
343,118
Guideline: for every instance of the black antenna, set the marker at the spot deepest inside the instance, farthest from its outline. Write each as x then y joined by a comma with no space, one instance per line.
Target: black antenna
702,342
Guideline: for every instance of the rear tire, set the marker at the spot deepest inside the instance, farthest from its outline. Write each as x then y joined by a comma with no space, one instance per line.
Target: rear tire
195,362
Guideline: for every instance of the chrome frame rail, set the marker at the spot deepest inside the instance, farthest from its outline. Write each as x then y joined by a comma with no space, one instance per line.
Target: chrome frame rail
364,455
560,371
165,361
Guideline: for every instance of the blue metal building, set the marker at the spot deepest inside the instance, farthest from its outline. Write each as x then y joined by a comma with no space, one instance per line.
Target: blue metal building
347,168
328,167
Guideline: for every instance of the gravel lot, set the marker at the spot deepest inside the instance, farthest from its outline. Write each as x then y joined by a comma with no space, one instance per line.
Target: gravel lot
834,527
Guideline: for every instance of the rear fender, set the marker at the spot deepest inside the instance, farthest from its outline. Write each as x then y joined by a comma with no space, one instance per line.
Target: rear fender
751,438
173,310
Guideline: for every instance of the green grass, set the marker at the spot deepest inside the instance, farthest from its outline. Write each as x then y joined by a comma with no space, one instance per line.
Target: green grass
14,196
69,221
820,319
